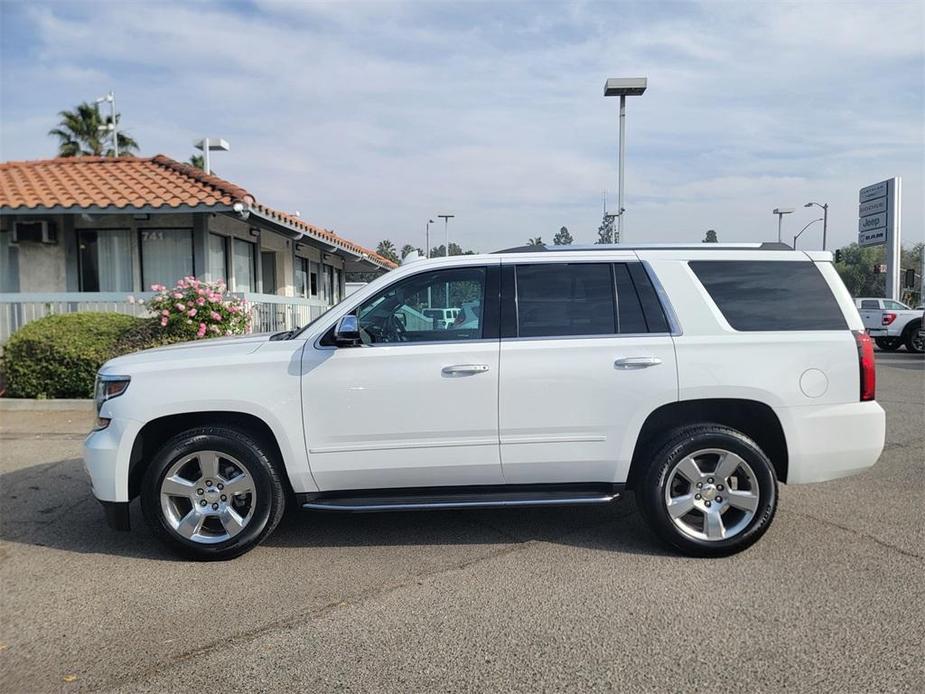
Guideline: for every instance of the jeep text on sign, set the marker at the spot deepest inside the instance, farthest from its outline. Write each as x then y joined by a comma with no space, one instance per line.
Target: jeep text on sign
872,222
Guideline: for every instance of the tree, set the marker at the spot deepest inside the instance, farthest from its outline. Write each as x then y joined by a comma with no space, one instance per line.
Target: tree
79,134
710,237
455,249
198,161
387,250
407,250
606,233
536,242
563,238
857,269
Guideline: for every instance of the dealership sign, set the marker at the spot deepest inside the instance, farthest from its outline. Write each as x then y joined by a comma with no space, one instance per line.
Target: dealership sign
879,208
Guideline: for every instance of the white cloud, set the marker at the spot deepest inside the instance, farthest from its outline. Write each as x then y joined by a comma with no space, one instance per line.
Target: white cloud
372,117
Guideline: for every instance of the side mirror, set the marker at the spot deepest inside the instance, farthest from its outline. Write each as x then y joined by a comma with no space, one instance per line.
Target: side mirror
347,332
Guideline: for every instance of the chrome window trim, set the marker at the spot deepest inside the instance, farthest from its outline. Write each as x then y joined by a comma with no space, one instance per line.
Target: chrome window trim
611,336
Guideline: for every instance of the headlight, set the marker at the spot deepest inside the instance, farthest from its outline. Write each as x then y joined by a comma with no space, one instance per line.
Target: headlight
109,387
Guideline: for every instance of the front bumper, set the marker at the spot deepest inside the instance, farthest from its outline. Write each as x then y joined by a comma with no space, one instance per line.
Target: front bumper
826,442
107,454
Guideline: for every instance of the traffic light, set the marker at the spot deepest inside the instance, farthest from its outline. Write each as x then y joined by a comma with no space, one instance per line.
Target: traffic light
838,255
909,278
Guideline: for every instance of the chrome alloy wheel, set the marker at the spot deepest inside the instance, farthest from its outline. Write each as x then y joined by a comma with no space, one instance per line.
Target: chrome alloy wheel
712,495
207,497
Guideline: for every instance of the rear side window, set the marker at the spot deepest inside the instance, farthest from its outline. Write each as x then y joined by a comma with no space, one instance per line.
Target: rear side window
770,295
561,299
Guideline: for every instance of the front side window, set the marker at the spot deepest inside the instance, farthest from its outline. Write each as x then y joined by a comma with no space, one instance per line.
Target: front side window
565,299
762,295
105,259
166,255
443,305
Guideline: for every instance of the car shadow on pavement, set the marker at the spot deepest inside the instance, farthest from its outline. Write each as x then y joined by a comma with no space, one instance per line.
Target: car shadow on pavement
50,505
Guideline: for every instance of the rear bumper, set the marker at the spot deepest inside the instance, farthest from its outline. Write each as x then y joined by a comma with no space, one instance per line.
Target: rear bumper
825,442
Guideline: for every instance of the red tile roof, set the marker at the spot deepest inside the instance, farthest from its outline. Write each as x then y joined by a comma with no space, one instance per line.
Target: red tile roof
134,182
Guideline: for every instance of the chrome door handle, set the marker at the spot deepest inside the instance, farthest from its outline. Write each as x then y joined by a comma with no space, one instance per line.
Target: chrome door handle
464,369
636,362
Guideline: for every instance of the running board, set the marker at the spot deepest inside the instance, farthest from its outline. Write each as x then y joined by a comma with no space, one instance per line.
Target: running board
465,498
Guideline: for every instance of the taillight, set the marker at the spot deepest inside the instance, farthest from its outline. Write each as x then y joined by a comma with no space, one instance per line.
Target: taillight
866,364
888,318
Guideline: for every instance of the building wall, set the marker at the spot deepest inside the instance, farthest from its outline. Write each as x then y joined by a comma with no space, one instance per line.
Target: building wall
33,267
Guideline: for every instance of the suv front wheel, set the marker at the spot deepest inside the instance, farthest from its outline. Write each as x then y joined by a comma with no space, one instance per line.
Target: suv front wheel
212,493
710,491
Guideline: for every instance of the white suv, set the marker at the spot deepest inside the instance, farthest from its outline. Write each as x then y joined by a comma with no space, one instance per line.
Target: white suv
697,377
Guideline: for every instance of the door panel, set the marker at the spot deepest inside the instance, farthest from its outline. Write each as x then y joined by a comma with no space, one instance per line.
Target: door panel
569,413
390,416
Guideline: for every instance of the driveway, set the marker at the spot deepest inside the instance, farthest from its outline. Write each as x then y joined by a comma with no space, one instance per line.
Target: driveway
831,599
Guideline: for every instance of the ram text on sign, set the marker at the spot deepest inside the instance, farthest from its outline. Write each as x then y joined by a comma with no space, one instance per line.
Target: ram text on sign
876,237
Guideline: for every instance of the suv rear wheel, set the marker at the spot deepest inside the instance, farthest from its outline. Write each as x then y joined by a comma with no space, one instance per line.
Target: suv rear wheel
710,491
212,493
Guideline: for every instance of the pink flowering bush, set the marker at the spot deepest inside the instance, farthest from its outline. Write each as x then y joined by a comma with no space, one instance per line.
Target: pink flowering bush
195,309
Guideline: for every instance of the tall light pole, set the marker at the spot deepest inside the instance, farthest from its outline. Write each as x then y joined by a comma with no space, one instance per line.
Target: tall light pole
780,212
623,87
427,238
210,144
111,127
446,230
825,218
802,230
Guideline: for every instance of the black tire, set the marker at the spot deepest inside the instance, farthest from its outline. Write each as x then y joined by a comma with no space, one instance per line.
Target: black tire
678,445
914,343
888,344
268,497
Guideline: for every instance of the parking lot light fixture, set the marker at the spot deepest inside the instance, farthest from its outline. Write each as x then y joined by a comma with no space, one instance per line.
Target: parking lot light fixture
825,218
623,87
446,230
802,230
210,144
780,212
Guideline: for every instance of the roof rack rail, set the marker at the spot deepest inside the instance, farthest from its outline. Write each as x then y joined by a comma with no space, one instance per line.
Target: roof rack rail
763,246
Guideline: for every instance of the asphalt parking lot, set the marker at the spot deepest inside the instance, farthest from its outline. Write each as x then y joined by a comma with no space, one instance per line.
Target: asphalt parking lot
831,599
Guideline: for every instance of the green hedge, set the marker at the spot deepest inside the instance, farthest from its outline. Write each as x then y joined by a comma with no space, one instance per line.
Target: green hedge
58,356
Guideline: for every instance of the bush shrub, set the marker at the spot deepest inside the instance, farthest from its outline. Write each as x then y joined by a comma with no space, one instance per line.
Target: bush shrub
58,356
198,309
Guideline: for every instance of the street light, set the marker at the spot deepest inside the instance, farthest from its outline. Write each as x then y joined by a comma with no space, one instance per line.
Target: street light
213,144
825,218
780,212
623,87
111,127
427,238
802,230
446,230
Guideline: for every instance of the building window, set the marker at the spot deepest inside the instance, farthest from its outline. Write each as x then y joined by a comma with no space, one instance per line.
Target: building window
268,272
105,260
301,277
314,278
244,272
218,258
166,256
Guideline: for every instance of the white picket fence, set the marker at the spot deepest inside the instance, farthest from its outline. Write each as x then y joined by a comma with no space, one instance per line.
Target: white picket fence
269,313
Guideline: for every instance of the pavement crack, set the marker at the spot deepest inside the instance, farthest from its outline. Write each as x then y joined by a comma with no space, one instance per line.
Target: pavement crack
313,614
854,531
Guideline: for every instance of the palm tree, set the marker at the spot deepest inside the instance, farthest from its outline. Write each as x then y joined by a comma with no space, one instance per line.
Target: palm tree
538,241
407,250
79,134
198,161
387,250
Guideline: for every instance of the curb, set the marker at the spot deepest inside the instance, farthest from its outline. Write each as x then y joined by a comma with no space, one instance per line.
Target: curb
61,405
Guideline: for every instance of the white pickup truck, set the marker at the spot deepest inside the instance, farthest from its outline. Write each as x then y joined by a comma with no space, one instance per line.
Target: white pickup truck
891,323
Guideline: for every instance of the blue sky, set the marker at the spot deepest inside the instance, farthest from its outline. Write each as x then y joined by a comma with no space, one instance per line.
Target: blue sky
370,118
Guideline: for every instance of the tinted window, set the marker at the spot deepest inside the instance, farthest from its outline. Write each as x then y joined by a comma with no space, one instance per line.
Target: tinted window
870,303
769,295
629,308
651,306
565,299
428,307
